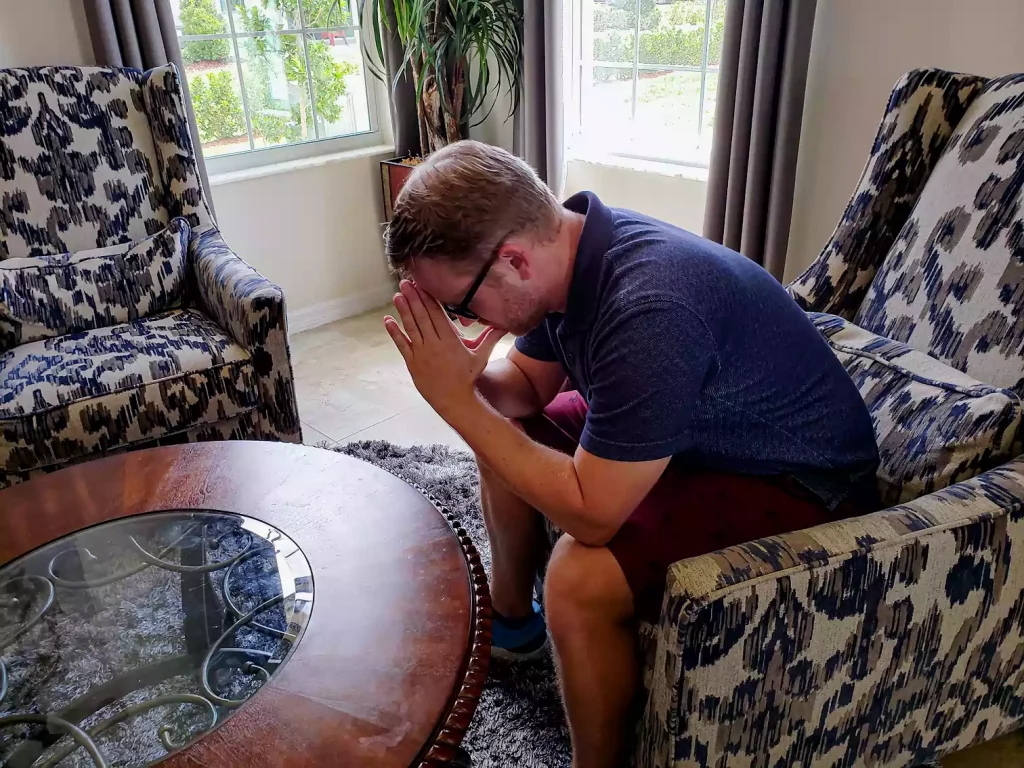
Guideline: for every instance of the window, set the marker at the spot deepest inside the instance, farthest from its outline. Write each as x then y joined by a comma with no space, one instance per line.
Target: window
274,73
645,74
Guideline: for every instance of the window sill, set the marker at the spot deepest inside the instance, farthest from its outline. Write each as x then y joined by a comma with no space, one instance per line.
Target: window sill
291,166
692,172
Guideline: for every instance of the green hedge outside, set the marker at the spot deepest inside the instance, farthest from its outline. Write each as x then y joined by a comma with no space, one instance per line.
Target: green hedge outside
217,105
663,46
200,17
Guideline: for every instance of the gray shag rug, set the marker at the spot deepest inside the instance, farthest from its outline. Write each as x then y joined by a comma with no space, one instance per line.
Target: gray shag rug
520,720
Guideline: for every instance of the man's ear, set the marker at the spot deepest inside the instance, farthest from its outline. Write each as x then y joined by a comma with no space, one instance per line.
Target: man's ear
518,258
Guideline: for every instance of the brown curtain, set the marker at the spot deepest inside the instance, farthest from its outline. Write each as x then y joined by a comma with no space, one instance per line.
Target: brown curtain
757,127
537,131
402,95
141,34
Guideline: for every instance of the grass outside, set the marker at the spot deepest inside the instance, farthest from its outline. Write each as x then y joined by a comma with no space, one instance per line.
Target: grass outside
667,121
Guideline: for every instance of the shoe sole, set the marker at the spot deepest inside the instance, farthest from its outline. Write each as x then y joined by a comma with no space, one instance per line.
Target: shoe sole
506,655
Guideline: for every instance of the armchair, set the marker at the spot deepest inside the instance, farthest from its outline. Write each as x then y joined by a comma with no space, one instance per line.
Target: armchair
93,162
897,637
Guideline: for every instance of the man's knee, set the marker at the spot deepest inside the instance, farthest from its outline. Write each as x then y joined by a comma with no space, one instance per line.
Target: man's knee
566,579
583,582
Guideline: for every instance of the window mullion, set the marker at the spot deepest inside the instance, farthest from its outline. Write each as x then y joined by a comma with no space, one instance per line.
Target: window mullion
704,67
309,74
203,38
245,33
636,58
241,79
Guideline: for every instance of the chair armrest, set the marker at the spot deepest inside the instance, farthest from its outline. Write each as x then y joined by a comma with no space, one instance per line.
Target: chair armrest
882,640
252,310
923,110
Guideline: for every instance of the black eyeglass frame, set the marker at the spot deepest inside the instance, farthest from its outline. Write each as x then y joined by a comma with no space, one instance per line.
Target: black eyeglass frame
462,308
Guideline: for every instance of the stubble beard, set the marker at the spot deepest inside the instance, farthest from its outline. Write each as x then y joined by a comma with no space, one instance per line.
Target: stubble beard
525,313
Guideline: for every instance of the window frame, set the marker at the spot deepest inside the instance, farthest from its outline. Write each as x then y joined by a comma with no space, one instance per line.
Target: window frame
255,157
581,66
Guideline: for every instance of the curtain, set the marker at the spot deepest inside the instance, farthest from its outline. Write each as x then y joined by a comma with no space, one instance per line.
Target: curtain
141,34
405,119
761,88
538,130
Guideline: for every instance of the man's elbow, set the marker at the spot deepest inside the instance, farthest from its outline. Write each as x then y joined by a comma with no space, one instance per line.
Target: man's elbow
598,530
596,538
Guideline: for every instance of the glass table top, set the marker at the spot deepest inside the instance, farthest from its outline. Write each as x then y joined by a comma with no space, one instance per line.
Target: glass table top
125,642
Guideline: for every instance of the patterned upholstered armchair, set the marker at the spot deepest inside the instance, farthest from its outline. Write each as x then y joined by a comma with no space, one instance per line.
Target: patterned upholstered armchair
898,637
125,320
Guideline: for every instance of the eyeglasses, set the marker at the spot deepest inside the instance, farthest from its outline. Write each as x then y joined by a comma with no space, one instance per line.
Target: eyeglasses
462,308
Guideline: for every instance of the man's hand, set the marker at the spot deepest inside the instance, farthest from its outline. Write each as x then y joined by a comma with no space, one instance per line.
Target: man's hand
444,366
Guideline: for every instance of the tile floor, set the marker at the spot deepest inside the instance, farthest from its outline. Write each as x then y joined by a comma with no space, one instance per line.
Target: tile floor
351,384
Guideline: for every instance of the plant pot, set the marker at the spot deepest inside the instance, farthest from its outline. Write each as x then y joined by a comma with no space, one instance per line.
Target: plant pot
393,175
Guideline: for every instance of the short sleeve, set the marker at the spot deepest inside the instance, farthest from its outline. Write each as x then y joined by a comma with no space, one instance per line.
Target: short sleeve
537,344
649,365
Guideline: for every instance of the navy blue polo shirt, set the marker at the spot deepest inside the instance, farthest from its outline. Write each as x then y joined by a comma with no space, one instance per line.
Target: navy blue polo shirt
684,348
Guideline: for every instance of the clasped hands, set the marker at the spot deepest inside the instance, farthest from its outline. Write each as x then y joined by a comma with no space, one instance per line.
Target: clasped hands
443,363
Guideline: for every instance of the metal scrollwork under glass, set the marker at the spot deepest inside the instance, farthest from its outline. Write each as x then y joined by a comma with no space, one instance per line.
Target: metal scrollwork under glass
124,643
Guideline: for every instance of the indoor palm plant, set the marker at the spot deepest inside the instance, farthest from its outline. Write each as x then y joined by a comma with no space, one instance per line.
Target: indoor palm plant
459,53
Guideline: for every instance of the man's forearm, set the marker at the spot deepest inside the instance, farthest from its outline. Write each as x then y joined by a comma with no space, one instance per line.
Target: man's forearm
508,390
541,476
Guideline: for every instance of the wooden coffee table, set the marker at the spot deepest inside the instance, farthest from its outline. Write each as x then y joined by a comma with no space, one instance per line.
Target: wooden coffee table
394,653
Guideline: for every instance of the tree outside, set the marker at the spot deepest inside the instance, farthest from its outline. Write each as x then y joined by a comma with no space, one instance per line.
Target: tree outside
200,17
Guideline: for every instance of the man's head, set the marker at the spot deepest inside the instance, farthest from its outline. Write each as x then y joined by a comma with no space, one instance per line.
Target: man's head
471,211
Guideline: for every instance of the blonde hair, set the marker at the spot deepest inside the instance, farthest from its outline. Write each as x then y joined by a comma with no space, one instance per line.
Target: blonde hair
463,201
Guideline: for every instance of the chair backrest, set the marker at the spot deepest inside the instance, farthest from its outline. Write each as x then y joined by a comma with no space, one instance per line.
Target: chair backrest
78,165
952,285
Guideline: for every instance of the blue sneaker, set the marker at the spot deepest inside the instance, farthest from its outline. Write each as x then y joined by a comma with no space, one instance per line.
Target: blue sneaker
519,639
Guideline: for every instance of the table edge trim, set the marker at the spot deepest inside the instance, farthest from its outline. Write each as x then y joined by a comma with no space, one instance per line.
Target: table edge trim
443,746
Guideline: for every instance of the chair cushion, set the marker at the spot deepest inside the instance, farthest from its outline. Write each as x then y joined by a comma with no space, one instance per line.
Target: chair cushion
69,396
934,425
952,285
49,296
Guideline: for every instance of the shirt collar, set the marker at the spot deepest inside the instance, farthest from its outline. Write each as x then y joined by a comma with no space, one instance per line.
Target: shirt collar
595,240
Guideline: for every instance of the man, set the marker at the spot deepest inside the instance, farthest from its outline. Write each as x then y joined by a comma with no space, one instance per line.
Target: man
705,409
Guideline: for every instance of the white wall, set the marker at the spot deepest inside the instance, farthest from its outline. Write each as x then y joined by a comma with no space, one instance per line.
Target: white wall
860,49
675,195
315,231
37,32
496,128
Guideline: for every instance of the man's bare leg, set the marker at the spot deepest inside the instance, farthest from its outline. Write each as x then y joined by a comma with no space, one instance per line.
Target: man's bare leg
589,607
513,527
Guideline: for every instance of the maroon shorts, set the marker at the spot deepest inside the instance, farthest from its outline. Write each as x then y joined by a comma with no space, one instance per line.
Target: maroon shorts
687,513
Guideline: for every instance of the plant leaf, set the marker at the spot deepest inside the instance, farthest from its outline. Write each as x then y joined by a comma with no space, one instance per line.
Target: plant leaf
484,38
